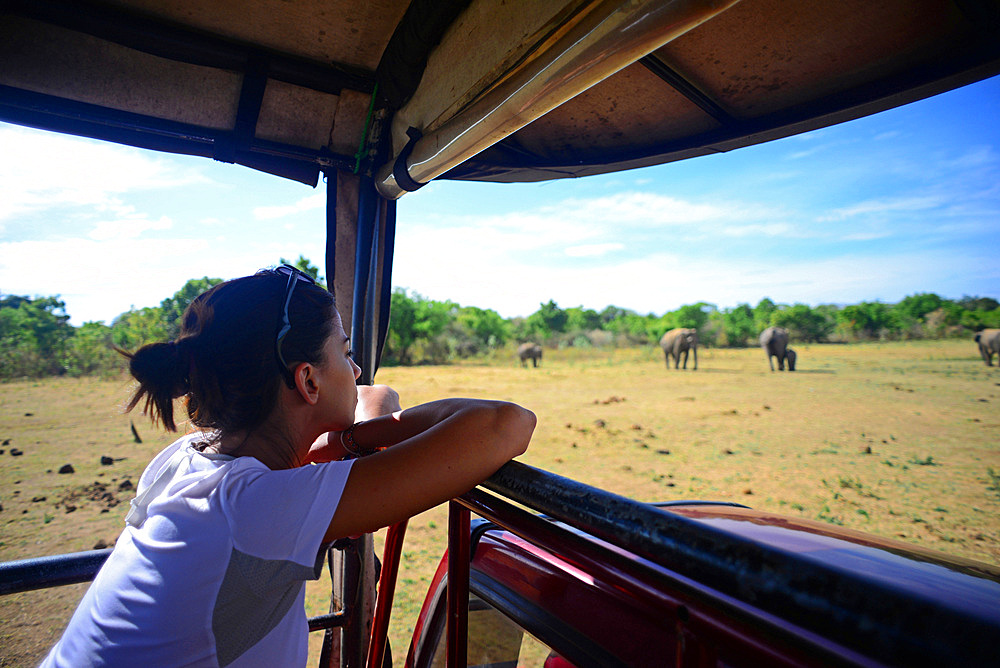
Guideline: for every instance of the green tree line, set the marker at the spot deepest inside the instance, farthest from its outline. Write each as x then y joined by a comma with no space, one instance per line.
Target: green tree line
37,340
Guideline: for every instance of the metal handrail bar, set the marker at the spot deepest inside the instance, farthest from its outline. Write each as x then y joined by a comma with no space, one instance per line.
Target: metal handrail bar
60,570
330,620
840,604
51,571
458,585
627,573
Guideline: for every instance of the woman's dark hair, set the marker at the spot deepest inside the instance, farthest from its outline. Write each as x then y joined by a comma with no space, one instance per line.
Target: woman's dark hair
224,361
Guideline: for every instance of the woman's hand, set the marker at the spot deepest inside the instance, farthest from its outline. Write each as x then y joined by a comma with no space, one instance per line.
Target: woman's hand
376,400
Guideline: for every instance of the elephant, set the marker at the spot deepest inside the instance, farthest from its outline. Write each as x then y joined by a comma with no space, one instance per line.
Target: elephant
677,341
790,357
989,343
531,351
774,341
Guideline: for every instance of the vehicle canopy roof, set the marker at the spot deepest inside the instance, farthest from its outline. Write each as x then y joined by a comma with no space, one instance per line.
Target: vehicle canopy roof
566,88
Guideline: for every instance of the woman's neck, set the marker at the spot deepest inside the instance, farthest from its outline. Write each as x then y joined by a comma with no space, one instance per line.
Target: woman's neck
275,448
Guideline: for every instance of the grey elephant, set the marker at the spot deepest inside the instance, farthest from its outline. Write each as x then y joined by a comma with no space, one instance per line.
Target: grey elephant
774,341
531,351
678,341
790,357
989,343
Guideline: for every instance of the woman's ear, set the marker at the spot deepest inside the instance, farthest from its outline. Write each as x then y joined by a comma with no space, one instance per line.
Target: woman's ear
306,383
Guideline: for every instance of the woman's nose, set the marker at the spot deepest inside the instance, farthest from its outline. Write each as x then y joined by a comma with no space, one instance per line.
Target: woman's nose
357,369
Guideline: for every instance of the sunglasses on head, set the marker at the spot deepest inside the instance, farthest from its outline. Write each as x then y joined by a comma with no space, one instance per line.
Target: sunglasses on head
294,276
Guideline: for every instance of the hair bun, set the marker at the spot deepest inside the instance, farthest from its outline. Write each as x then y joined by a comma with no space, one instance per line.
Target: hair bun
163,366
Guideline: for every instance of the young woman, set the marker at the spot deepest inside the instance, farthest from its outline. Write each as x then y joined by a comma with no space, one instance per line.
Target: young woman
288,455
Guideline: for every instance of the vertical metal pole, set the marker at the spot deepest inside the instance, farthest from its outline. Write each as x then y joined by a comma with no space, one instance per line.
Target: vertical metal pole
363,335
388,246
331,229
369,355
330,653
361,331
386,588
369,316
358,572
458,584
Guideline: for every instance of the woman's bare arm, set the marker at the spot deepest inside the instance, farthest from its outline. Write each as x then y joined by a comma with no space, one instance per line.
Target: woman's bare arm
439,450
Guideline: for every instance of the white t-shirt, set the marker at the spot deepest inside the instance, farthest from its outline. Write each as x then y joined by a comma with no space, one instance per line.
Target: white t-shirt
215,574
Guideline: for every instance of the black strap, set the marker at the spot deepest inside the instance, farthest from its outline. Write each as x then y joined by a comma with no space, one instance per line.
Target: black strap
399,170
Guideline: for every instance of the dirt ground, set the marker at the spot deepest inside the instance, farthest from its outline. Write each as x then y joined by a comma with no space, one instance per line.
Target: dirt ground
895,439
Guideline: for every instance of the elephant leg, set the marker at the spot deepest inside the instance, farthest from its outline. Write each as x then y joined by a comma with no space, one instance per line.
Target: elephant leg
685,366
534,362
769,361
694,351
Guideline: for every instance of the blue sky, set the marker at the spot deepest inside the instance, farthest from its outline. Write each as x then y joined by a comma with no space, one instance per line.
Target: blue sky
893,204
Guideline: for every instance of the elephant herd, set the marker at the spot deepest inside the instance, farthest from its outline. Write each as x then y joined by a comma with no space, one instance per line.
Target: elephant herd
773,340
681,341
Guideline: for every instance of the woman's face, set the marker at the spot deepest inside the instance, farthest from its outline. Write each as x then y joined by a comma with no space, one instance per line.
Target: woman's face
340,374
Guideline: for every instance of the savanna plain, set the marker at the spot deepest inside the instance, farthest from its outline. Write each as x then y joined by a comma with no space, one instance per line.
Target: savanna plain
896,439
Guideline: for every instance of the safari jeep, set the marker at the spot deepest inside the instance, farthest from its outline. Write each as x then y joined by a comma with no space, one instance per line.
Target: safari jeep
382,97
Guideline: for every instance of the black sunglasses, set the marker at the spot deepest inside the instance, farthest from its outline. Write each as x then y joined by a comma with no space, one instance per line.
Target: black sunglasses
294,276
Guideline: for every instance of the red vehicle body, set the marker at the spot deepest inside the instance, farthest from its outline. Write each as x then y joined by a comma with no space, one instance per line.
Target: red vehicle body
591,602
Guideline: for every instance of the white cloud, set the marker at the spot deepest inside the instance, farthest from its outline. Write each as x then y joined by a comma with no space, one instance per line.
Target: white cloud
117,274
593,250
127,228
760,230
642,209
53,170
880,206
314,201
866,236
602,223
661,281
798,155
976,156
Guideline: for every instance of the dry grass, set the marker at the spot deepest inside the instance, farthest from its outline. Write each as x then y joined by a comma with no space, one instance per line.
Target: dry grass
894,439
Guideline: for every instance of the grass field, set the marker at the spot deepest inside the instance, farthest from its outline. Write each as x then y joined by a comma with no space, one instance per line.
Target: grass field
897,439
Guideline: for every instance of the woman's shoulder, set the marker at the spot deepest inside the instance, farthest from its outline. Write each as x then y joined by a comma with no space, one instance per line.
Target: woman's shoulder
186,444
